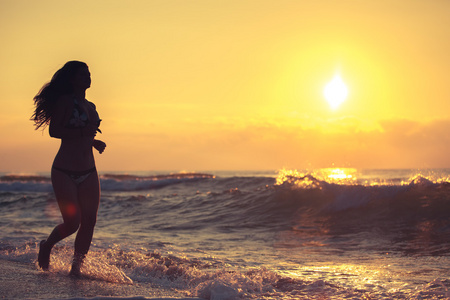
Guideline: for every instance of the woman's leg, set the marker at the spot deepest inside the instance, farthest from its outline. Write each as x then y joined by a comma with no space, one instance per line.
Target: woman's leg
67,197
88,199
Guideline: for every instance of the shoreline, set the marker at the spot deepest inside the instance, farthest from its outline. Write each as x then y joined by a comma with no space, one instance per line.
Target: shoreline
19,280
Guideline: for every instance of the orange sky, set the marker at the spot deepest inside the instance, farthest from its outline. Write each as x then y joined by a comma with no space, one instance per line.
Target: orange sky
208,85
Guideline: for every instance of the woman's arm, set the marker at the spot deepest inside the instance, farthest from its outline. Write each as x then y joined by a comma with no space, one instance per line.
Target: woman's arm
60,117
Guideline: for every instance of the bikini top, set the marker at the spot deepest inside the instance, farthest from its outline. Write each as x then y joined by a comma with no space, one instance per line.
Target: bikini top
79,117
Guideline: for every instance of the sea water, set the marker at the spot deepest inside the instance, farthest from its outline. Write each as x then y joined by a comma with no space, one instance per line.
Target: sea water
286,234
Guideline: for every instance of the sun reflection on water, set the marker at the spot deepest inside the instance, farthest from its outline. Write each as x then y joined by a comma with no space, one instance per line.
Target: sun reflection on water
314,179
352,276
338,175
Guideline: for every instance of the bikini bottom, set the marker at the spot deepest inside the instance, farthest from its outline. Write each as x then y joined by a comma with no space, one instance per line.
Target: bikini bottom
77,176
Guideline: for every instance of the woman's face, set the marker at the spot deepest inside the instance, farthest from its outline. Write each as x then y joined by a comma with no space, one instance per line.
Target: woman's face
82,79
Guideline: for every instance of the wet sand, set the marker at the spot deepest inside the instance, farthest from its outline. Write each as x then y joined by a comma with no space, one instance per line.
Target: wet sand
20,280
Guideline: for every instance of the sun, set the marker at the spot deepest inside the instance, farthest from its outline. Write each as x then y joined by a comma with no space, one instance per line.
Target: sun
335,92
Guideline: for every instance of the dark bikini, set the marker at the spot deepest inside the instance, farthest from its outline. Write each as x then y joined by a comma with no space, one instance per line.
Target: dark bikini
78,120
77,176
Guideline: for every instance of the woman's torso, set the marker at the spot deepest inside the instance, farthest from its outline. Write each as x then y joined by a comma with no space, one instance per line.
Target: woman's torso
76,154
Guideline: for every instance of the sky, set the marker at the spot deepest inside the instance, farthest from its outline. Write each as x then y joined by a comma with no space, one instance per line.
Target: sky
235,85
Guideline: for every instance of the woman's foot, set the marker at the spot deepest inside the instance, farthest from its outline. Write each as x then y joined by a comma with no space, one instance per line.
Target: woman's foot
76,265
44,255
75,271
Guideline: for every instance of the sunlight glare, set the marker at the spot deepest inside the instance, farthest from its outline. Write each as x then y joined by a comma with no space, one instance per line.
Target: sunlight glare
335,92
339,174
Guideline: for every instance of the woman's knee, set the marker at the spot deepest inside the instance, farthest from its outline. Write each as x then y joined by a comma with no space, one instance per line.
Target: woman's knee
73,225
69,227
89,221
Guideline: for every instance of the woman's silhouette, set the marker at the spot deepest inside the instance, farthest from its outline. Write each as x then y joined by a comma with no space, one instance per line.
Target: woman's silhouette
62,105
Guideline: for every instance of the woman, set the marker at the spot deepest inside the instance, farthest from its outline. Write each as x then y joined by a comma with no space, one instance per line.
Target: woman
62,105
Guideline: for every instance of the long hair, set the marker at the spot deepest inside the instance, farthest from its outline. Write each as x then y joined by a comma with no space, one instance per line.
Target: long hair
61,84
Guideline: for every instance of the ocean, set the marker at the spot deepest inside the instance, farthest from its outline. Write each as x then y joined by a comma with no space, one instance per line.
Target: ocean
336,233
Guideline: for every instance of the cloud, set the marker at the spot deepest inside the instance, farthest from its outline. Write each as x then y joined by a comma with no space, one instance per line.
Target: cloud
234,143
344,142
425,144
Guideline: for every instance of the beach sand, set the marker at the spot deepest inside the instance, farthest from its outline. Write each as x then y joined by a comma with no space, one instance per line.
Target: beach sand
20,280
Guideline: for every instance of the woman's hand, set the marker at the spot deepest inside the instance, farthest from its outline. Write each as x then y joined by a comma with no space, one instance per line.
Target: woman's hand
99,146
